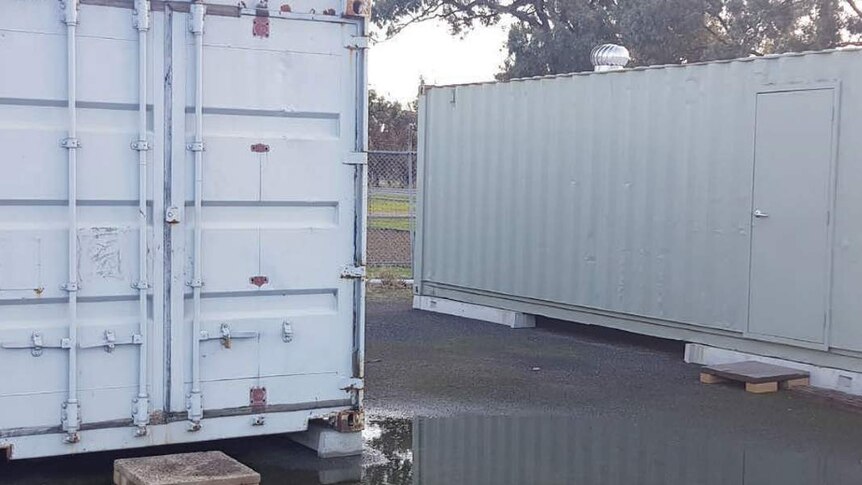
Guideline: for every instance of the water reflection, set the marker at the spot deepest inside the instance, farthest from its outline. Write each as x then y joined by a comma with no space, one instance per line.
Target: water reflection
544,450
505,450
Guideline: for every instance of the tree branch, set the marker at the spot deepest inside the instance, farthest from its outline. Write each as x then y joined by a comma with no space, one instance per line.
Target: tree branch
854,7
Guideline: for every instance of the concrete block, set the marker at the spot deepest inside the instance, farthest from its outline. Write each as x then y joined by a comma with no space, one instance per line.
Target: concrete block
329,443
476,312
205,468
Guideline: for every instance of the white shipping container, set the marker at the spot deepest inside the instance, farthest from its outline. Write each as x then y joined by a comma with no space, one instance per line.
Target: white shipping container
181,221
715,203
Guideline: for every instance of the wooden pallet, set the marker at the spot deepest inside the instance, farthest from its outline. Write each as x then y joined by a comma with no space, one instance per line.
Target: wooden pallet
205,468
758,377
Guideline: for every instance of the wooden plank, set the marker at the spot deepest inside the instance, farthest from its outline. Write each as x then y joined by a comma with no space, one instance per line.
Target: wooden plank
791,383
710,379
761,387
754,372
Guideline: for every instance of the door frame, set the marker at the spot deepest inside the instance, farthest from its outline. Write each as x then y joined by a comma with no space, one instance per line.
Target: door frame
770,88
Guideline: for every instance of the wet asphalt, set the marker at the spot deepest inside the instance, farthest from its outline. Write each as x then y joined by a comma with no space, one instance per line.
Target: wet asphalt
560,376
428,364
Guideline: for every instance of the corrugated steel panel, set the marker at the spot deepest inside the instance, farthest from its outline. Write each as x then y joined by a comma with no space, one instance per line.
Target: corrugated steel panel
182,264
627,192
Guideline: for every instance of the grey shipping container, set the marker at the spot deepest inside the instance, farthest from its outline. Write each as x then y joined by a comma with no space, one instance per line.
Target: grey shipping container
716,203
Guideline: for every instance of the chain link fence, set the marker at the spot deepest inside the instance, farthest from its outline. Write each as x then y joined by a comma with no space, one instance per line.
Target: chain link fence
391,215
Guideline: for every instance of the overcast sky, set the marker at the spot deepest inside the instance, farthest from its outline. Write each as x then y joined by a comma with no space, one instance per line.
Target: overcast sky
427,49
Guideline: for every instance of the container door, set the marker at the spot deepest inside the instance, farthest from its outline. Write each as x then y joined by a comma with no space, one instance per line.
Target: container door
277,217
82,336
790,218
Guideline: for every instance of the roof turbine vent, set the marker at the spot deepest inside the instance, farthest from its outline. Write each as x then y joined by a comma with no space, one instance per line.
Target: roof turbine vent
609,57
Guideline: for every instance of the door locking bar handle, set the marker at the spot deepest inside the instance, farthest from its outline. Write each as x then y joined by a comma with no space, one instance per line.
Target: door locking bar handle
226,335
110,342
37,344
760,214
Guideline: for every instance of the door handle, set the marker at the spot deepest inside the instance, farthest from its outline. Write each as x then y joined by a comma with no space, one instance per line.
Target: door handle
760,214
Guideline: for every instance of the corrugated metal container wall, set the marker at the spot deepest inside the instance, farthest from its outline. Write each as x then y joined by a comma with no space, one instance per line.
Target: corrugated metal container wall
627,198
208,160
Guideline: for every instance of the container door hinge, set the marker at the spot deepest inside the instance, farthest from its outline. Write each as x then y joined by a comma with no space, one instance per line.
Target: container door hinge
356,42
195,408
353,272
353,384
141,415
140,145
172,215
356,158
70,418
70,143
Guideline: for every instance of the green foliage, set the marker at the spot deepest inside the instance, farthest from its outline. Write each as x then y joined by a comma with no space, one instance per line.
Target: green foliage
391,125
554,36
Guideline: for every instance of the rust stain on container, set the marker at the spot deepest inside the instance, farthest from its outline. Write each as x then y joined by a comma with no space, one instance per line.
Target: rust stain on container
257,399
258,280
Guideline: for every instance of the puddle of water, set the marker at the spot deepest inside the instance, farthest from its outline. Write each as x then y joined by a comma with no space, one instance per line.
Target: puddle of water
503,450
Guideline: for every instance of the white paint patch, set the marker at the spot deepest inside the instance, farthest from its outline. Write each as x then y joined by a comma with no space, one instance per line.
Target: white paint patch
101,256
103,251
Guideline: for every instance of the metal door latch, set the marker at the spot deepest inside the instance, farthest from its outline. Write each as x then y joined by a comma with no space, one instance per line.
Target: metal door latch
37,344
227,336
110,341
286,332
760,214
